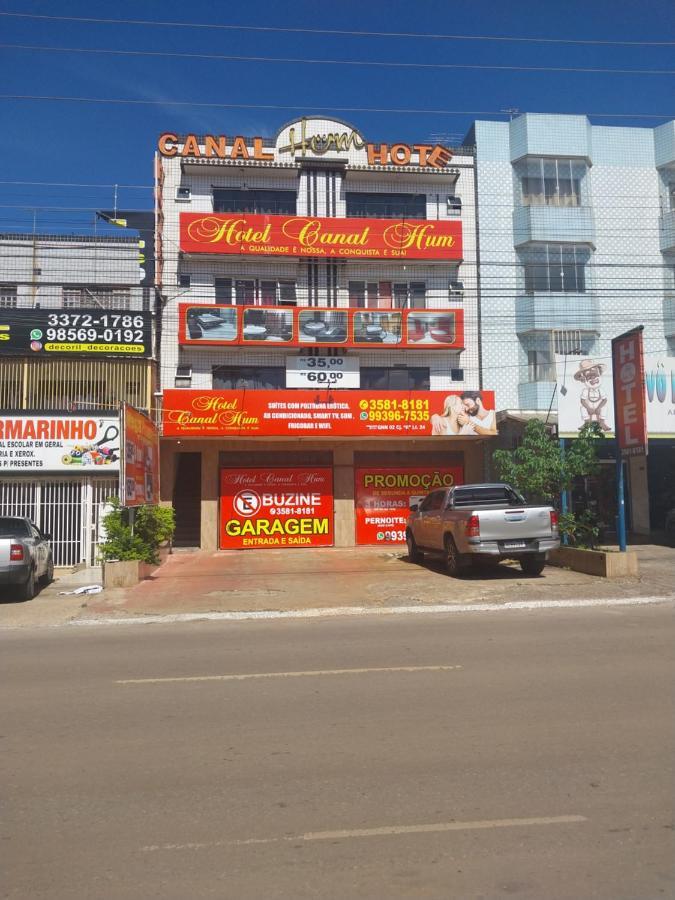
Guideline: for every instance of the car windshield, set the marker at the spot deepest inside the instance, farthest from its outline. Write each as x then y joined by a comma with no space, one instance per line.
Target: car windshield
13,528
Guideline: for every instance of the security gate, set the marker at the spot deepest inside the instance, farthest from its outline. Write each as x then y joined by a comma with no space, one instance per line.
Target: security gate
67,508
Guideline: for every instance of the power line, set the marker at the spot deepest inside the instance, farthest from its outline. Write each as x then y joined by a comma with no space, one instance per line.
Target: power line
336,62
143,187
304,106
341,32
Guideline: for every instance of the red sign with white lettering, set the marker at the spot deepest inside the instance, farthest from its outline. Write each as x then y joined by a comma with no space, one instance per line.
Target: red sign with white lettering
321,413
630,411
276,508
347,238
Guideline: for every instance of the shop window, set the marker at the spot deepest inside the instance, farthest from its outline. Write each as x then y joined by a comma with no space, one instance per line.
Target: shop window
383,378
230,200
361,204
551,182
255,378
555,269
8,296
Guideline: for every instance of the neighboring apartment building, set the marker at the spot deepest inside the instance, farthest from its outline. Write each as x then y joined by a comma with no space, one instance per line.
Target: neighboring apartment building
75,341
577,245
320,324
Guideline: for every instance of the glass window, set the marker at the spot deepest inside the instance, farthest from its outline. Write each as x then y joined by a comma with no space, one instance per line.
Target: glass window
223,290
431,328
556,268
357,294
230,200
386,206
387,378
551,182
8,296
540,366
256,378
90,296
244,292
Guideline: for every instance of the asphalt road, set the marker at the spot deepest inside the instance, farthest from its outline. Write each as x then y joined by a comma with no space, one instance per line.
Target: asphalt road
474,755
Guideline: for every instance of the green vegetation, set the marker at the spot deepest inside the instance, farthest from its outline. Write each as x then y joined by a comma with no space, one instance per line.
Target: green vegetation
152,526
540,470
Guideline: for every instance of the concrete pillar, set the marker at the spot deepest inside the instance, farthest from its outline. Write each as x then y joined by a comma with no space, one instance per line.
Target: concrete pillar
210,498
639,494
343,490
167,472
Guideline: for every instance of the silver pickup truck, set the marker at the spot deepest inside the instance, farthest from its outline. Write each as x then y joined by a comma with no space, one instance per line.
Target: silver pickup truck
25,557
481,522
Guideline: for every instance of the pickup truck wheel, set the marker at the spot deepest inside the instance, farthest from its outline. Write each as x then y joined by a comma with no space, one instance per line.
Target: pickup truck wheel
454,562
415,555
27,589
532,565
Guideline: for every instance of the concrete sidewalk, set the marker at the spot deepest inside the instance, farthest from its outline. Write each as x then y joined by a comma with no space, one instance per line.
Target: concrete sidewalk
241,581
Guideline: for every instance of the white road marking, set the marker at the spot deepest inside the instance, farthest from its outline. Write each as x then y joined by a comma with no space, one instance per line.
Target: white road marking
382,831
320,613
309,674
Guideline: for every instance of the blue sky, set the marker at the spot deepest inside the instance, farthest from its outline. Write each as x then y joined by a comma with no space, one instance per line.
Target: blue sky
113,144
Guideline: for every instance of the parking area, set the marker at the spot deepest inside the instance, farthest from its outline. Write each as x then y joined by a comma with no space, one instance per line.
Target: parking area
194,582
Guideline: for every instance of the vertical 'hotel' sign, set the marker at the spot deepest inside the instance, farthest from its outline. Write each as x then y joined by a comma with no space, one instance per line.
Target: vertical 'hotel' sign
630,408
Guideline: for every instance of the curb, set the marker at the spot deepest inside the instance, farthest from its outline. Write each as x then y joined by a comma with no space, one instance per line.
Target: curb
346,611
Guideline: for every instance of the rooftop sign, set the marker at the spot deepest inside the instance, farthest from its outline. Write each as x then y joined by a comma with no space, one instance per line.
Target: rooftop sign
307,138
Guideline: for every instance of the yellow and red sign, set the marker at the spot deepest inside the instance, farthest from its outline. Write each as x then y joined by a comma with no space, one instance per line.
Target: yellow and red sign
347,413
139,481
383,498
350,238
276,508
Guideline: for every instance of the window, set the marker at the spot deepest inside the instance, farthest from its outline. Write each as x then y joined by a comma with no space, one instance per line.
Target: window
386,206
433,502
8,296
385,295
551,182
256,292
87,297
555,269
454,205
184,281
568,343
256,378
183,194
381,378
230,200
540,366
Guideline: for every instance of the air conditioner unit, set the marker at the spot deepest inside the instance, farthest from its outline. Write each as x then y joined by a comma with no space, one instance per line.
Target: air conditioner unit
456,291
184,194
454,206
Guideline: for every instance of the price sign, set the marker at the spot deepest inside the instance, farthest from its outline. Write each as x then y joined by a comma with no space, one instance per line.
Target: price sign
322,372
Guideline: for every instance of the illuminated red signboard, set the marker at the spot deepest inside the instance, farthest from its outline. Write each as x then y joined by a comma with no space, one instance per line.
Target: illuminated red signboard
349,238
383,498
276,508
251,326
347,413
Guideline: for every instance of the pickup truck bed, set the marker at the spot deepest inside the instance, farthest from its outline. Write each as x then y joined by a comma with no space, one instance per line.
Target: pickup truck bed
482,522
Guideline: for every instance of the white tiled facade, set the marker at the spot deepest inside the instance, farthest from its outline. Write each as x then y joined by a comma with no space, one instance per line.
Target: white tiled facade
621,222
55,271
320,192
